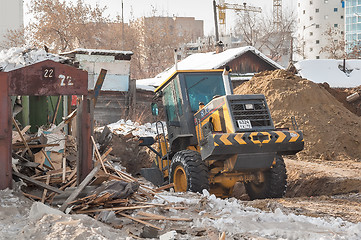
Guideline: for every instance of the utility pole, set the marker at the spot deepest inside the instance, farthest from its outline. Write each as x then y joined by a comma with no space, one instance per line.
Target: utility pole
122,26
215,20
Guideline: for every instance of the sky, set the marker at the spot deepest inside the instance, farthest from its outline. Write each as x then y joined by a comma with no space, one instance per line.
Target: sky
200,9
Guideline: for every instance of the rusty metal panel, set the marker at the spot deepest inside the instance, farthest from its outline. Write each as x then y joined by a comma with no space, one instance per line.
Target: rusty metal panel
84,161
5,134
48,78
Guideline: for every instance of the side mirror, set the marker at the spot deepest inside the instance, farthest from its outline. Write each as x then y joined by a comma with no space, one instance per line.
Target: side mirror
155,110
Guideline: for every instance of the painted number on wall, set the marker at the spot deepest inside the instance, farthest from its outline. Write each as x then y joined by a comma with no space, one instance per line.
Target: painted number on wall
65,80
48,73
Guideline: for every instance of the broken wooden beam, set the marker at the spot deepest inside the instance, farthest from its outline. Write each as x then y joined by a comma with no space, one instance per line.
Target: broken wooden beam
22,138
40,184
82,185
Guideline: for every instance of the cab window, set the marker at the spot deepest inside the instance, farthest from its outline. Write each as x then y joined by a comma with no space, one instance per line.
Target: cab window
202,88
169,103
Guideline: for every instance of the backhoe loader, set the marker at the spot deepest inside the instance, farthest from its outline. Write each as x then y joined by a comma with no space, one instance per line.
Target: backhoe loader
216,139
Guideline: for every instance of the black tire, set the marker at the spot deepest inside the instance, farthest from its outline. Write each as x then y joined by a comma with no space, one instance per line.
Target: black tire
274,185
195,171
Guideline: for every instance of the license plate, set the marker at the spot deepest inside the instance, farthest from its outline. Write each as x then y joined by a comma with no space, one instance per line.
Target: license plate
244,124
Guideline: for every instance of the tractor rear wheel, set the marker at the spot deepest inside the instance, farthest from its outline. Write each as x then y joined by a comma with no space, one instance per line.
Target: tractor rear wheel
274,185
188,172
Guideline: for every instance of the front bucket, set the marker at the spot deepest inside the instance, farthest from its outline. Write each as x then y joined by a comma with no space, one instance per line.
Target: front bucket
154,175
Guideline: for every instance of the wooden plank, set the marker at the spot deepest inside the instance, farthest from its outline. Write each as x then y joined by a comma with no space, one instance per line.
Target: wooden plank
64,170
106,153
45,190
56,109
72,174
16,137
40,184
118,209
31,196
140,221
65,121
82,185
49,160
35,145
152,216
164,187
97,154
98,85
22,138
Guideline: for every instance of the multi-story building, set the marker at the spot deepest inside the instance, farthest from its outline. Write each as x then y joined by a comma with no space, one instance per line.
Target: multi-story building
314,21
353,25
11,17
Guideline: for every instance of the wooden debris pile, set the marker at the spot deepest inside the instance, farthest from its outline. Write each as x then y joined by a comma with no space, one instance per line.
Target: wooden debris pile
106,191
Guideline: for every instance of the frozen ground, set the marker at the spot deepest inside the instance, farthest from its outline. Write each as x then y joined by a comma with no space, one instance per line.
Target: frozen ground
22,219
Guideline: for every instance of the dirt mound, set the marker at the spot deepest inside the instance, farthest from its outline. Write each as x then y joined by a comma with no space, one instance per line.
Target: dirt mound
341,94
330,130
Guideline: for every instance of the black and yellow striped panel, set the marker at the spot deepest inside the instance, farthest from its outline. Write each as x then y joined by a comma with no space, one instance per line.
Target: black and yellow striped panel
257,138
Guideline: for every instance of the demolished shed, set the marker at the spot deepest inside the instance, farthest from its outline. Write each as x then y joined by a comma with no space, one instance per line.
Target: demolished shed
41,79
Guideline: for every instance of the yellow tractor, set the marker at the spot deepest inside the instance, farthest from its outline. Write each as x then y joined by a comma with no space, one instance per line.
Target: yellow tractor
216,139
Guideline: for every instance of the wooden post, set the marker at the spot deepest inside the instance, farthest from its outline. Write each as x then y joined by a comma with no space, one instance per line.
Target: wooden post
84,161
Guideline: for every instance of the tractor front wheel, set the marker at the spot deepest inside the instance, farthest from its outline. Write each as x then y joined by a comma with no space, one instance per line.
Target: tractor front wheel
274,185
188,172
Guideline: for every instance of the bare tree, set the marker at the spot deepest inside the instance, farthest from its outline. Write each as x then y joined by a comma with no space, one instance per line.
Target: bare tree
14,38
156,40
335,46
261,32
250,27
62,25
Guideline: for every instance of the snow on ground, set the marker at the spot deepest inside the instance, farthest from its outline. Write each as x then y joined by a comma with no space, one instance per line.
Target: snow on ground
329,70
125,127
14,58
232,217
22,219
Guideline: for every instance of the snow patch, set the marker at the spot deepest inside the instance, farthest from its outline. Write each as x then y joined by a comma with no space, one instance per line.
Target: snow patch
330,71
123,127
15,58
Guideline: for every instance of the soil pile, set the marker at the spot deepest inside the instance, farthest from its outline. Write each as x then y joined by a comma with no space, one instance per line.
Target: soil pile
330,130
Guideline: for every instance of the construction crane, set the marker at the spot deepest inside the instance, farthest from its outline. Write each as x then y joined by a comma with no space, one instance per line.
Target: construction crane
222,7
277,13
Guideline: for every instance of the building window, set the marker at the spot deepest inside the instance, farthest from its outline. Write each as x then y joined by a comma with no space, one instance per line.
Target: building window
317,57
299,20
341,16
304,11
317,10
335,9
317,25
341,32
311,49
299,5
311,33
317,41
311,2
335,25
311,18
326,16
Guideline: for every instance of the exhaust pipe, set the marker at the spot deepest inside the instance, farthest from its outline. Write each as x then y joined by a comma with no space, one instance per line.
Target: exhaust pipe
226,80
